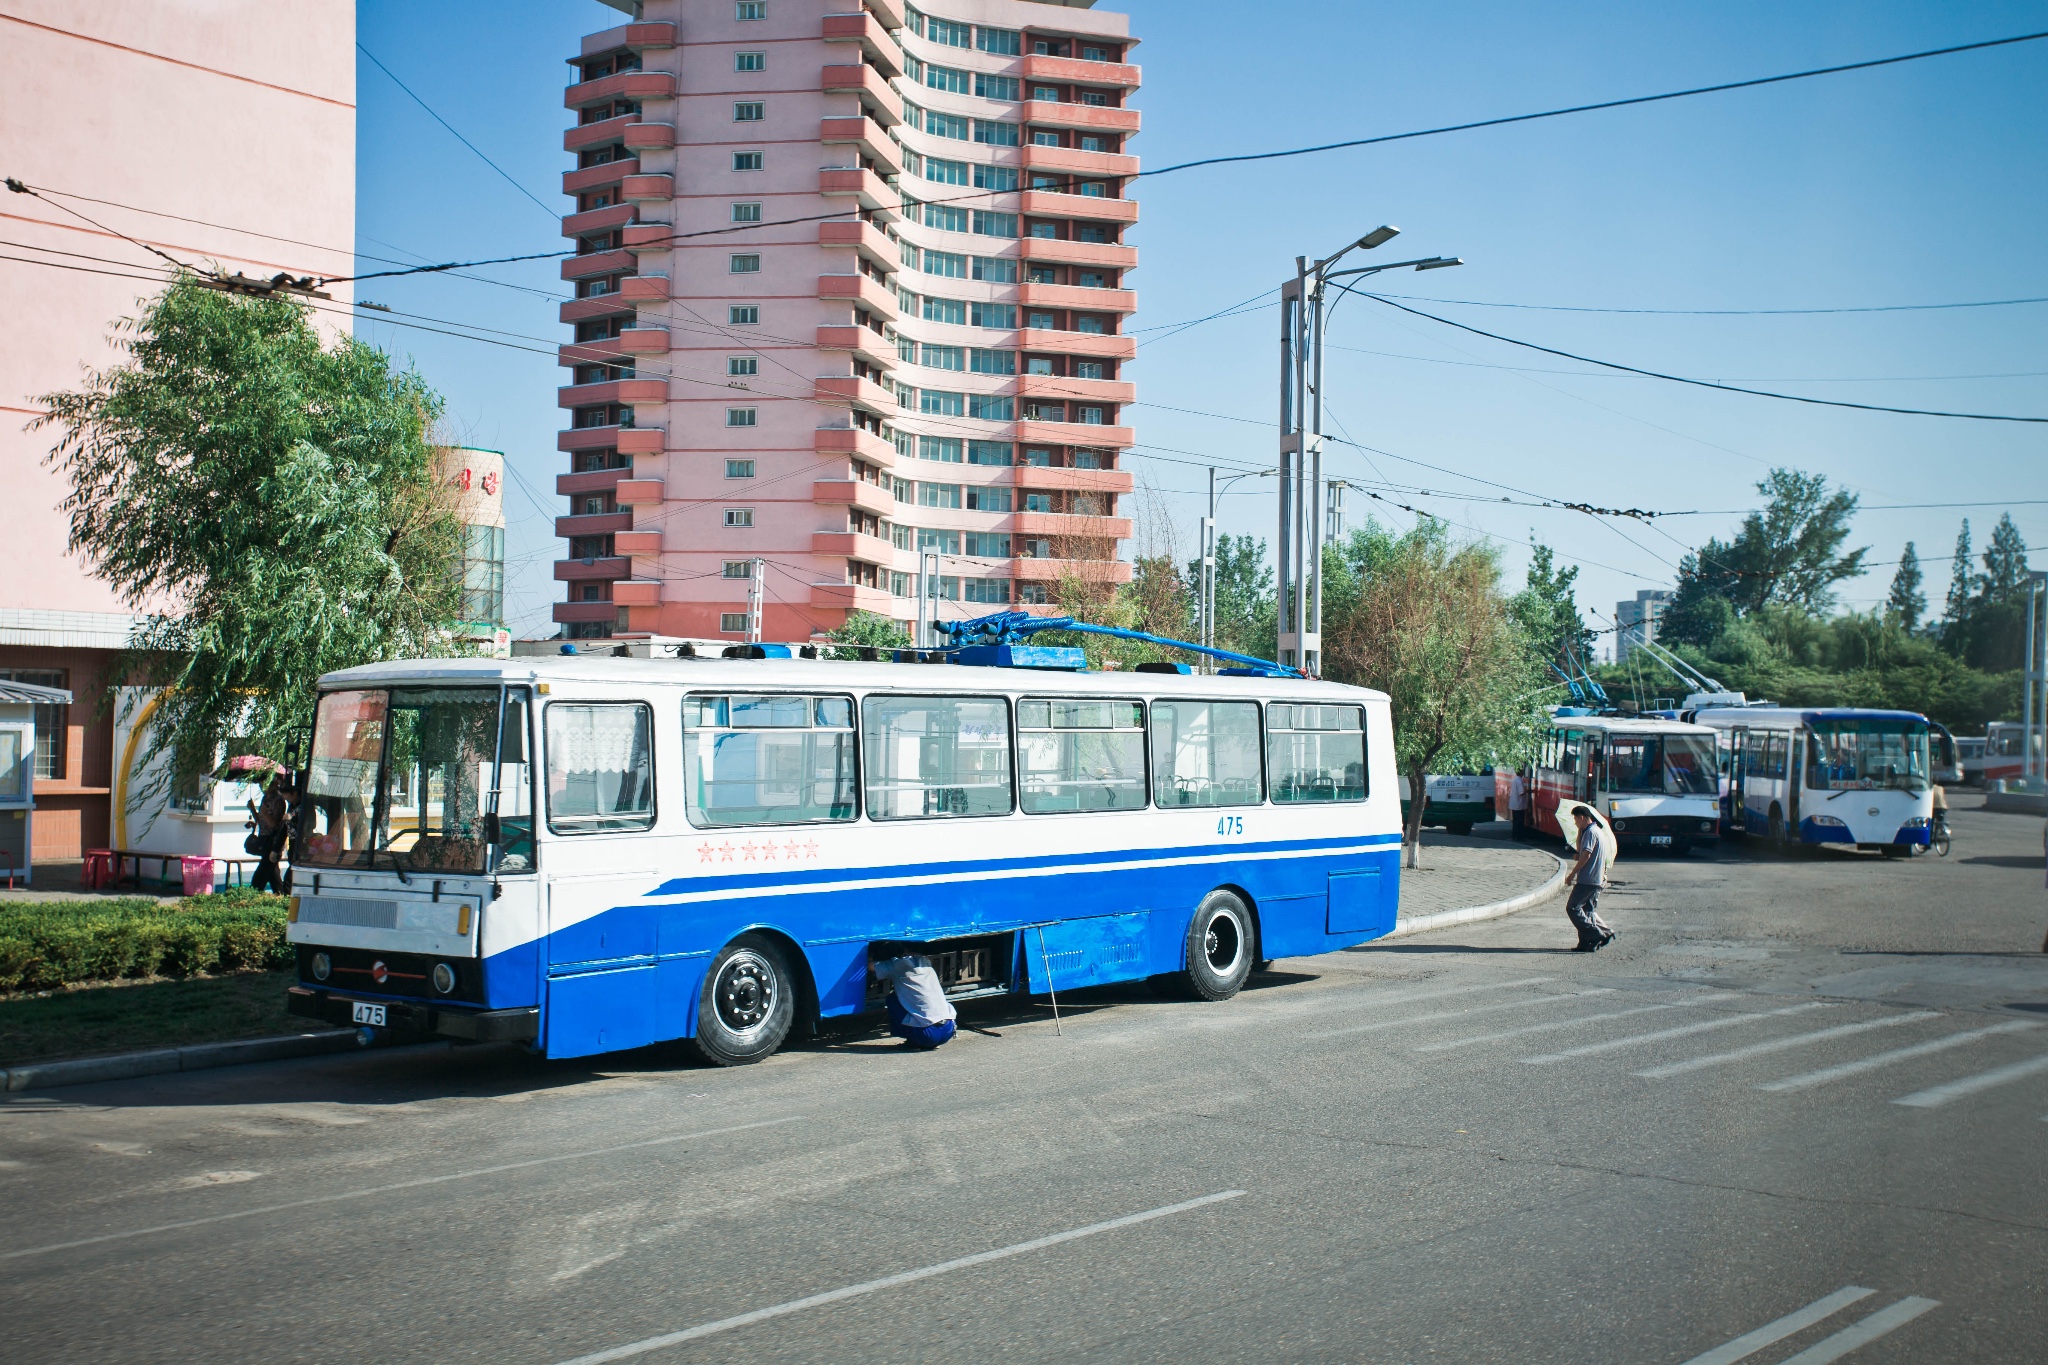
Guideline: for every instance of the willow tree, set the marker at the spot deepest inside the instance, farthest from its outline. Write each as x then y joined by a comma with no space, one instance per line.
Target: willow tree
268,505
1428,624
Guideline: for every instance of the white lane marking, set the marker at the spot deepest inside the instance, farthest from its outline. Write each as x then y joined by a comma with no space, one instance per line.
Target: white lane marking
1749,1343
851,1291
1402,997
1407,1019
1558,1024
387,1189
1936,1096
1780,1044
1809,1079
1633,1039
1863,1333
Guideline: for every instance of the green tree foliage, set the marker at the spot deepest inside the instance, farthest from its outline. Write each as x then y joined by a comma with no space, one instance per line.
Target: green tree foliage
1789,553
1425,621
1246,620
2005,564
1906,602
1548,610
269,503
1960,579
867,628
1988,629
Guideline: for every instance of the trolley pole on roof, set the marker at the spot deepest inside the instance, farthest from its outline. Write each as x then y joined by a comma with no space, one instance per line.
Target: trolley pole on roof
757,584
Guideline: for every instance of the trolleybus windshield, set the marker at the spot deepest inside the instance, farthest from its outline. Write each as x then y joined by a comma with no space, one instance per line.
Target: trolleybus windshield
1668,765
1868,754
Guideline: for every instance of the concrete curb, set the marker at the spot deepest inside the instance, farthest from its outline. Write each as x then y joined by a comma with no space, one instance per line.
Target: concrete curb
2017,803
123,1066
1444,919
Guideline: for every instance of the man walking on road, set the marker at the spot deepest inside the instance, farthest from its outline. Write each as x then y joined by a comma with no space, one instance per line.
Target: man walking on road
1582,907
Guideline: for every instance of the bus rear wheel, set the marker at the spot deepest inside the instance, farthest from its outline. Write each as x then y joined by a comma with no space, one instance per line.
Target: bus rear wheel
1461,828
748,1003
1776,837
1220,948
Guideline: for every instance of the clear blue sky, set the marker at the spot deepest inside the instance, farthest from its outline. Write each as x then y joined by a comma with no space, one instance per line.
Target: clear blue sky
1925,183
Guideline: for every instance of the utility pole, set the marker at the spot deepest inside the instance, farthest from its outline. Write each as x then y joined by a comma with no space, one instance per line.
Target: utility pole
757,583
927,599
2035,687
1207,601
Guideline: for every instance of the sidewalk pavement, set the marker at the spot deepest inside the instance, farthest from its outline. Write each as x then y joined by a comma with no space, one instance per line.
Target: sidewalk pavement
1476,877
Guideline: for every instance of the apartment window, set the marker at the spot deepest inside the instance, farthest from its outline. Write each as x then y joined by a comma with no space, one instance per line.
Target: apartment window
947,216
913,115
952,80
946,125
995,87
992,407
986,544
948,34
1093,144
995,132
951,264
939,403
992,362
746,161
739,469
997,315
1085,505
1093,232
739,516
989,500
749,111
1047,231
593,593
899,584
1049,93
995,177
747,212
740,417
1045,412
945,357
945,172
743,315
907,254
945,310
1045,274
1044,322
1093,459
1092,326
985,589
740,365
1051,183
1095,54
1038,364
1090,416
599,287
939,495
1033,593
1035,549
592,505
746,265
902,537
1099,98
53,722
1093,279
995,224
1044,139
1004,42
1088,369
732,623
601,330
995,269
1038,502
739,568
906,350
944,449
744,10
1093,189
750,61
589,549
988,452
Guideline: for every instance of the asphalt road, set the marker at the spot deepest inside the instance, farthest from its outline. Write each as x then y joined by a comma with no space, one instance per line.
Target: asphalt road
1812,1083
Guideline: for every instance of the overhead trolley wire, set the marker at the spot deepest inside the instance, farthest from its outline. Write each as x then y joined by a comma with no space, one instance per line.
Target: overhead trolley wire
1727,312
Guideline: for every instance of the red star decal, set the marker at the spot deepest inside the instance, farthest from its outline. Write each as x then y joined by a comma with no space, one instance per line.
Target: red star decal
794,848
748,849
811,848
725,852
768,851
706,853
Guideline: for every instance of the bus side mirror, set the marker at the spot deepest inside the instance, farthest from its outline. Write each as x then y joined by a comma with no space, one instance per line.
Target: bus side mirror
491,827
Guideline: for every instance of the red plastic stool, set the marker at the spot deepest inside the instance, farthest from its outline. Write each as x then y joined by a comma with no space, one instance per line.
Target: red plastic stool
99,868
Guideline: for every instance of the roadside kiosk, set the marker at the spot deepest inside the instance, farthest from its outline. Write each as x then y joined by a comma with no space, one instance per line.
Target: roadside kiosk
18,703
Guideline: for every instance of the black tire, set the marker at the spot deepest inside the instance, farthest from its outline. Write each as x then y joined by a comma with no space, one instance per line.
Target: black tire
1941,845
1776,836
1896,851
1461,828
1221,947
748,1003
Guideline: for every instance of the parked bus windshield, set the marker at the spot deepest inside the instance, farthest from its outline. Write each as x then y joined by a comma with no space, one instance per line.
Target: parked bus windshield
1668,765
1868,754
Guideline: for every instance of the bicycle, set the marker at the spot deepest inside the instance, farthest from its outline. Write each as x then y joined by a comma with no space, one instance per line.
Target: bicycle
1939,835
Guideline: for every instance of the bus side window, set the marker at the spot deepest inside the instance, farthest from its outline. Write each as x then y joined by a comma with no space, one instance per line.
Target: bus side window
1205,753
1080,755
936,756
600,767
1315,753
1570,752
770,759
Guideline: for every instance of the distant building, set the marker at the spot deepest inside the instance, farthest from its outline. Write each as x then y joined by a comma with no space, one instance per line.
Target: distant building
221,133
476,480
1637,621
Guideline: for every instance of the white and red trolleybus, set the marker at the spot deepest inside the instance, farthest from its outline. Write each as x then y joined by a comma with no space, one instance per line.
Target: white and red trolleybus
1655,781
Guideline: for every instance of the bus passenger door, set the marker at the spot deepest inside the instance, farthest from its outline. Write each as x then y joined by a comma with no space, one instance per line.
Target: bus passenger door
1738,766
1795,778
600,962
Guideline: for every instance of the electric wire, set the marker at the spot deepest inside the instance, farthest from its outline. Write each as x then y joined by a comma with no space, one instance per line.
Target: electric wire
1723,312
455,133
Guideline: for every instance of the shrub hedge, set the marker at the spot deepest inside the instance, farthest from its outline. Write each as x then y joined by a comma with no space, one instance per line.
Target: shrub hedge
57,943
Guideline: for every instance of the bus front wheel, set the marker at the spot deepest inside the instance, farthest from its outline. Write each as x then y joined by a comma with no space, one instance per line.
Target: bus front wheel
1219,949
748,1003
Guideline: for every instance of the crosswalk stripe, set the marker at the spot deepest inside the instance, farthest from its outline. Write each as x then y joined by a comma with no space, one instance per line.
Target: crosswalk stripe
1936,1096
1707,1026
1780,1044
1407,1019
1558,1024
1862,1333
1749,1343
1808,1080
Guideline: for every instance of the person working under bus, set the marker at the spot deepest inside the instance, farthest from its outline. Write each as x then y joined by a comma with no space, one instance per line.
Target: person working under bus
1582,907
919,1012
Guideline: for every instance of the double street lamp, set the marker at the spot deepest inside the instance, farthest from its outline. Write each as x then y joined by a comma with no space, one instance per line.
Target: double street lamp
1301,529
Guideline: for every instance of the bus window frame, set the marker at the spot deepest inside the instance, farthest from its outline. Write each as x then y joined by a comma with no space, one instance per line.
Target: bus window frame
1259,705
860,735
1144,705
860,791
653,765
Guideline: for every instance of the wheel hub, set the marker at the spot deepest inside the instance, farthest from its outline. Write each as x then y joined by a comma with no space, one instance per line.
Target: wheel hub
745,993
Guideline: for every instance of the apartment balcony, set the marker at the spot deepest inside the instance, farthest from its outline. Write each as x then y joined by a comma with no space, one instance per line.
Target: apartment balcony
1075,297
853,441
626,440
864,394
598,133
649,238
1105,345
645,137
870,293
875,92
1087,117
863,132
599,263
590,352
864,342
856,493
875,43
1074,161
644,288
1074,434
638,544
1074,390
853,545
647,189
637,592
596,306
598,220
1052,251
612,391
1072,70
641,37
853,597
641,492
863,185
590,177
593,524
621,85
1057,204
589,481
566,613
864,237
572,570
1104,570
1061,524
1110,481
644,341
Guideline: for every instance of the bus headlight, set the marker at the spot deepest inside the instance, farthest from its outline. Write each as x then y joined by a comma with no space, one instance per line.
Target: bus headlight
1828,820
323,966
1917,822
444,977
1620,825
1707,826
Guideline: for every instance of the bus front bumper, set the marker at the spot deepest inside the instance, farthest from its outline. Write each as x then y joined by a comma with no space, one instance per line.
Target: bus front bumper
482,1026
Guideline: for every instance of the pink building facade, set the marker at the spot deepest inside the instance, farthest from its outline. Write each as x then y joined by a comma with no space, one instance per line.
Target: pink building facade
850,293
220,133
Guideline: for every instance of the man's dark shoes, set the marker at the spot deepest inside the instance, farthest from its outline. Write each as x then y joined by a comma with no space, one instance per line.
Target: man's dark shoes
1605,939
1587,946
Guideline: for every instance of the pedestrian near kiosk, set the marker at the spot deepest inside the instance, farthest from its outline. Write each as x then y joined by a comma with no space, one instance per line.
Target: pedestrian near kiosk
919,1012
1518,806
1582,907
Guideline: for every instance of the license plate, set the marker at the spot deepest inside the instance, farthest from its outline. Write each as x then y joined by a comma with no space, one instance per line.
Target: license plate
1654,839
367,1014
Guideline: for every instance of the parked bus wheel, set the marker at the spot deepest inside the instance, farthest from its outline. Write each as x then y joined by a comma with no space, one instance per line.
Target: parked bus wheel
1219,949
1776,836
748,1003
1461,828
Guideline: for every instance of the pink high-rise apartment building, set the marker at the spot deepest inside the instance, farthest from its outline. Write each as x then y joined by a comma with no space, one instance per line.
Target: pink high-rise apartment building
850,294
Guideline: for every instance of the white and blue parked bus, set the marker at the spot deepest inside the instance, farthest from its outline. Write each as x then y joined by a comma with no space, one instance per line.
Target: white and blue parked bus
1827,776
594,853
